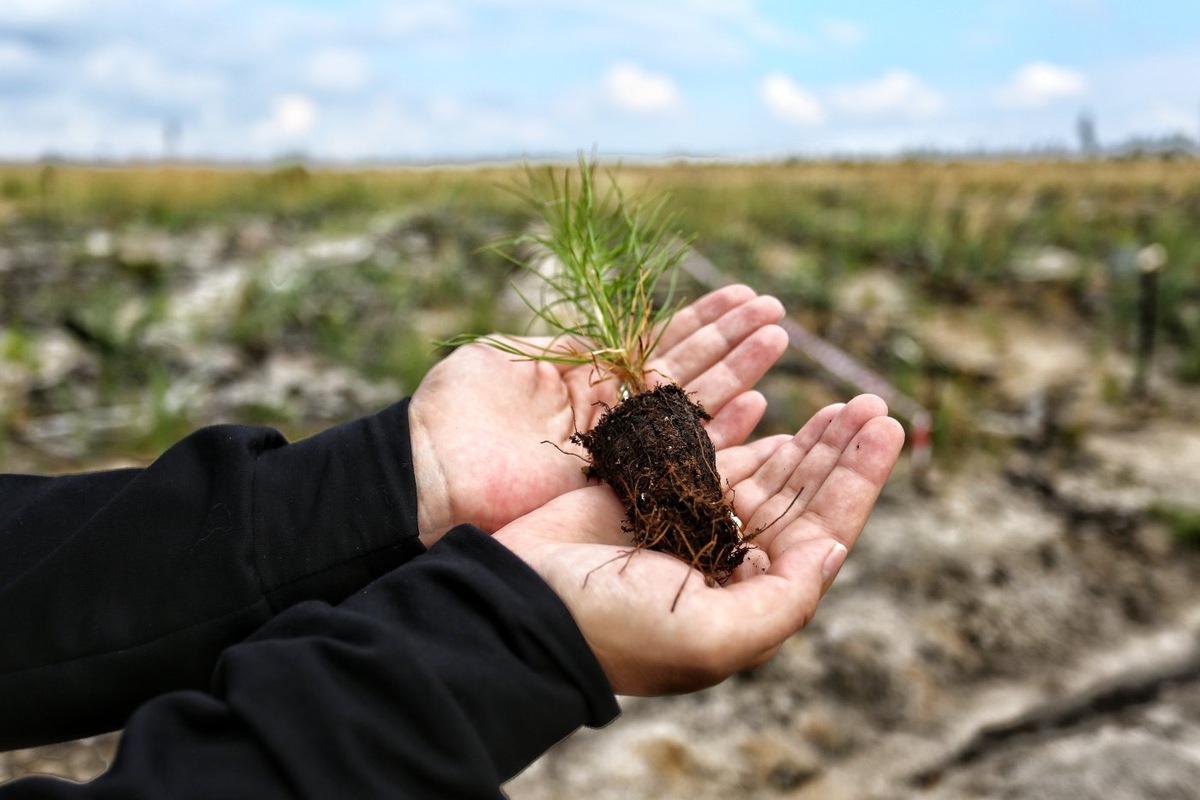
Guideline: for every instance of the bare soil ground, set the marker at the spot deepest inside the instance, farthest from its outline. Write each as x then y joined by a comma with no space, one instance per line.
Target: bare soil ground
1028,627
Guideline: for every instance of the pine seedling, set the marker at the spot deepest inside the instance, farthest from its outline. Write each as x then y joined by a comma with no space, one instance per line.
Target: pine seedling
609,256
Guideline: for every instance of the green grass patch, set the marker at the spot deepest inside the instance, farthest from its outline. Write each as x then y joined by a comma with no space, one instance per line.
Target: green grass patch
1182,522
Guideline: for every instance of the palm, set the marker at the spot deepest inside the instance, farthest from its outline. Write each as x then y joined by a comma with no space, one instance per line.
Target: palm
625,603
490,432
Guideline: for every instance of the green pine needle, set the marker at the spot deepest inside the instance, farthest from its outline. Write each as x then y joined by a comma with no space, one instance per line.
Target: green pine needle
610,253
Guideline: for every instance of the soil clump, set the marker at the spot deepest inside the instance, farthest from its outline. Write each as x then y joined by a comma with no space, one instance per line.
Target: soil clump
653,450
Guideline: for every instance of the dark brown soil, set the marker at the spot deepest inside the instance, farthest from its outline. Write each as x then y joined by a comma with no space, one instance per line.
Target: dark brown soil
655,453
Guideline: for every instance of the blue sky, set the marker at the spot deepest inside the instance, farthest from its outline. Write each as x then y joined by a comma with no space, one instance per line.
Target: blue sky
466,79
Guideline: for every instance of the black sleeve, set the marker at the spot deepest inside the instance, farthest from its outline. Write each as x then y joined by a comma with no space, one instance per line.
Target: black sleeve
442,679
118,586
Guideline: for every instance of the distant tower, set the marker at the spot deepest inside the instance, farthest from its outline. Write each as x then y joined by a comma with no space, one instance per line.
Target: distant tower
1088,144
172,132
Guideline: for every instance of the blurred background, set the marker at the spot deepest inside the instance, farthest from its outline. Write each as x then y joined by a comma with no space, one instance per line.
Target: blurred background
266,212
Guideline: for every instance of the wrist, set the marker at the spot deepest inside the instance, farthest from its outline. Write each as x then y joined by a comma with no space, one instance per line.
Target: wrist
433,493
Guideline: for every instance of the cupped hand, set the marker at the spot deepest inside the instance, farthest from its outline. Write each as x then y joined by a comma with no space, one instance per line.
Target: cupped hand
489,431
810,494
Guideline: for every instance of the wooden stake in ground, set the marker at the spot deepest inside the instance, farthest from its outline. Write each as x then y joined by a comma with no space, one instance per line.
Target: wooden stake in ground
1150,263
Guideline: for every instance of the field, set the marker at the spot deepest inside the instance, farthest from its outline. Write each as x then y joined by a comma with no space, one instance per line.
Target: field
1044,315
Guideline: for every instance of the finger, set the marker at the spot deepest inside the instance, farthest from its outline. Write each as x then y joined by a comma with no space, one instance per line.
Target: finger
739,369
704,311
687,359
771,607
736,464
755,563
737,419
754,487
687,321
839,509
815,467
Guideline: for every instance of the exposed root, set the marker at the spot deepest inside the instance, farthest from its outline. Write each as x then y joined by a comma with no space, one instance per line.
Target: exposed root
653,450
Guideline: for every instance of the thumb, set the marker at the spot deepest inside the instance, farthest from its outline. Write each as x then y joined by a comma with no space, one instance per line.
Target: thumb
811,562
783,600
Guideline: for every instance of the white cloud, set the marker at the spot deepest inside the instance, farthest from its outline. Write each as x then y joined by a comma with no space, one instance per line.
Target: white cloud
1039,84
439,125
127,71
843,32
292,116
339,70
294,113
791,102
897,93
631,88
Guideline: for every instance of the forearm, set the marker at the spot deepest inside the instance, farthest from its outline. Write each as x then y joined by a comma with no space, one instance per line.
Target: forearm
118,586
442,679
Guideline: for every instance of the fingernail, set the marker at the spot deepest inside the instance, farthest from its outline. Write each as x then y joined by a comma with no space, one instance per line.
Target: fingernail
833,563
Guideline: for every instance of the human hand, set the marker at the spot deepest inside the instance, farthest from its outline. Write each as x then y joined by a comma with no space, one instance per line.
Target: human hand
837,464
482,423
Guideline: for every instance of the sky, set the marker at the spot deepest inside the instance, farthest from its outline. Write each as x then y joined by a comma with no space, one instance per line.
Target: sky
443,80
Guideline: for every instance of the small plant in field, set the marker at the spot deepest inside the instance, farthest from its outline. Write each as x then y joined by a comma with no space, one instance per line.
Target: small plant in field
609,256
